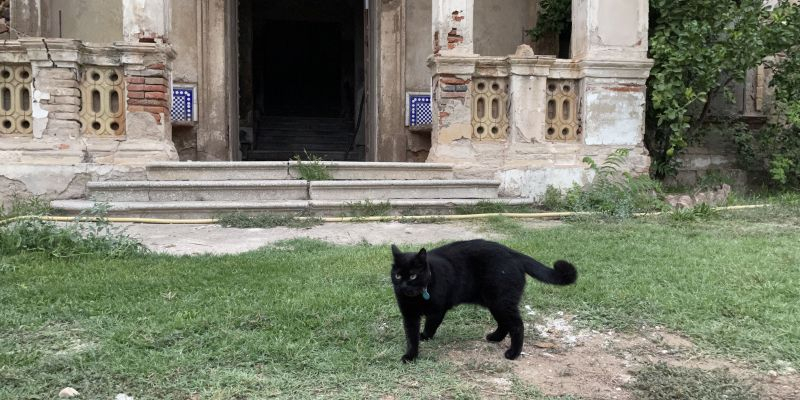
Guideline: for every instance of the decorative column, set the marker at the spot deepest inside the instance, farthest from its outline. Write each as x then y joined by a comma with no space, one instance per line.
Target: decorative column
452,64
145,20
609,44
528,84
452,27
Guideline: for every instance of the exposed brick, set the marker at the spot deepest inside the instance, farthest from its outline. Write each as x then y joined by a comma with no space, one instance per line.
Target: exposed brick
454,88
147,102
62,91
155,95
64,100
155,81
146,73
61,107
56,83
156,66
150,109
135,95
65,116
453,81
136,88
135,80
155,88
157,116
62,124
453,95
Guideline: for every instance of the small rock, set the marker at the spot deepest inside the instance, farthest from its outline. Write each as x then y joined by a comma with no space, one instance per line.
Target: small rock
772,374
544,345
123,396
68,392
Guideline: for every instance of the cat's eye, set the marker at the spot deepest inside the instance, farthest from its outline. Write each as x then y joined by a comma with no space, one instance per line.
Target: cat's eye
397,276
412,277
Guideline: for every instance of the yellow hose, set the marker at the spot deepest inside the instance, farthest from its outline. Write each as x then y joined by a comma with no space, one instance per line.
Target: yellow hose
546,215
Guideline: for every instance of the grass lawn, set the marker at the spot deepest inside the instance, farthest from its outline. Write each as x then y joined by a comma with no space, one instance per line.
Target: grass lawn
306,319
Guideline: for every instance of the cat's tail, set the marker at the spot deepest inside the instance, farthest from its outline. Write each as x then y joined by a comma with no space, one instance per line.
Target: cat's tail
562,273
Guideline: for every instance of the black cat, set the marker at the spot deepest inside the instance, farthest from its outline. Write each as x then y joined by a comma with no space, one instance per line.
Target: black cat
476,272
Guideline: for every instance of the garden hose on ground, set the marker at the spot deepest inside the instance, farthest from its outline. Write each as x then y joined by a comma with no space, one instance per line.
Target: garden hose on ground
388,218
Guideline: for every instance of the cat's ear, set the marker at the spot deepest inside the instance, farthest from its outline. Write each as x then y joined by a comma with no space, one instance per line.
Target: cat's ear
423,254
395,251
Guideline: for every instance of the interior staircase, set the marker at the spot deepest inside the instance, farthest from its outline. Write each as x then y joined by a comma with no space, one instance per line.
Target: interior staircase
283,138
208,189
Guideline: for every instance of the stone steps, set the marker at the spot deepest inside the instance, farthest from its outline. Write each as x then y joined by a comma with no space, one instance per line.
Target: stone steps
268,155
255,190
327,208
268,170
206,189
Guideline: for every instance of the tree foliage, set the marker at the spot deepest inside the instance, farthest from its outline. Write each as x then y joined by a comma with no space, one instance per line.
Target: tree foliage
699,48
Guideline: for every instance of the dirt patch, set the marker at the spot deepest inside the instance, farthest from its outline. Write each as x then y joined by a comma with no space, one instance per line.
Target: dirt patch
199,239
559,360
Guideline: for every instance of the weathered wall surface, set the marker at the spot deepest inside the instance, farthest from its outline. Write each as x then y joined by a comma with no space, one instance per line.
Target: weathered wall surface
184,40
500,25
392,140
88,20
418,45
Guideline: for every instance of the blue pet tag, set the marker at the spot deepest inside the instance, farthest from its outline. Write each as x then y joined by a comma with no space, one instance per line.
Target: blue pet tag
425,294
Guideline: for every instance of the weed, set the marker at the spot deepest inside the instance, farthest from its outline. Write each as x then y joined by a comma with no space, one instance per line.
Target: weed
490,207
613,193
242,220
553,199
662,382
700,212
312,169
713,179
20,205
367,208
71,240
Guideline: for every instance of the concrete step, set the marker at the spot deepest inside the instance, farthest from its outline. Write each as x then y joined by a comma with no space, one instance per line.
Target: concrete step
255,190
403,189
211,209
252,190
269,170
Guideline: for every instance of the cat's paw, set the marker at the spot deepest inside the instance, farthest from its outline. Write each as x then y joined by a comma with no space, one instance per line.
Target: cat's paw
512,354
424,336
496,337
407,358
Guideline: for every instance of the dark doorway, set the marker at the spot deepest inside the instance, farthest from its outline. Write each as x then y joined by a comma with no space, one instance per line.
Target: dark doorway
301,79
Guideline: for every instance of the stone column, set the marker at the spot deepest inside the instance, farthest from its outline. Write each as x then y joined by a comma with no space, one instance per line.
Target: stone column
609,45
56,96
452,27
527,84
609,29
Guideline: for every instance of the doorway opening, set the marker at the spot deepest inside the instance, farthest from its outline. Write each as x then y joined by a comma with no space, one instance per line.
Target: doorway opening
302,79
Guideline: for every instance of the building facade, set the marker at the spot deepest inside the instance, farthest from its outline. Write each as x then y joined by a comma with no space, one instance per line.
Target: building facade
96,89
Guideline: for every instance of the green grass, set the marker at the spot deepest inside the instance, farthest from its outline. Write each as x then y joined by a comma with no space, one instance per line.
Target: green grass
662,382
305,319
242,220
